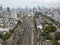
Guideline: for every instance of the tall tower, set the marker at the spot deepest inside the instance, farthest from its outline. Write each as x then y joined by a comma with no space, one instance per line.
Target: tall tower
1,7
8,9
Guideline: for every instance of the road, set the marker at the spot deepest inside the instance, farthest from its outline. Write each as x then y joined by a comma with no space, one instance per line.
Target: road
28,32
24,34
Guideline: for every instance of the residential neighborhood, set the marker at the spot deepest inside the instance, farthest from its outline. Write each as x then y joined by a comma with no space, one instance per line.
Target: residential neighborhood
29,22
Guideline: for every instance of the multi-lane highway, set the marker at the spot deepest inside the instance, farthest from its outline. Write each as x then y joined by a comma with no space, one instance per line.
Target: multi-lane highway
28,32
24,34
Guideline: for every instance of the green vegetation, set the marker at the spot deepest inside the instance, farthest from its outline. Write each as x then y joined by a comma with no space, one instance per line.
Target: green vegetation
50,28
19,22
5,36
57,35
46,35
54,42
49,37
8,34
0,35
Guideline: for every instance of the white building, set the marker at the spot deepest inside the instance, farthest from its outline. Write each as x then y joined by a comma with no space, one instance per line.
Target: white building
4,30
14,14
39,24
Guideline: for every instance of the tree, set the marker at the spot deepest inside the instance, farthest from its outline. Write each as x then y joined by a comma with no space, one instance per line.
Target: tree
19,22
0,35
50,28
46,35
6,36
57,35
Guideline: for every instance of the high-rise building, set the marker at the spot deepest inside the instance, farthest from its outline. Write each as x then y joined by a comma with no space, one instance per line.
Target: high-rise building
14,13
1,7
8,9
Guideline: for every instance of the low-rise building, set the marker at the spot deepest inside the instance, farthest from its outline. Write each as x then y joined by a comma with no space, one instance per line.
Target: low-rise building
1,41
39,22
4,30
8,20
46,43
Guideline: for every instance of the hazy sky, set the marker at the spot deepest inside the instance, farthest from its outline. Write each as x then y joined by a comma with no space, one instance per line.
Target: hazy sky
29,3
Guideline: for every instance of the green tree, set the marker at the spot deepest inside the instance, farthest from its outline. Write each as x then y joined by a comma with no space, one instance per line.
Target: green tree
50,28
6,36
19,22
57,35
0,35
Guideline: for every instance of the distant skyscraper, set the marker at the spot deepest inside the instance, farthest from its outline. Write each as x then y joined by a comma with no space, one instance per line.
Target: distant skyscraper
38,7
1,7
8,9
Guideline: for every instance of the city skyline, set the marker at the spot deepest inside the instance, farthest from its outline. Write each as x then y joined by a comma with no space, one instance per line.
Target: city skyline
29,3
